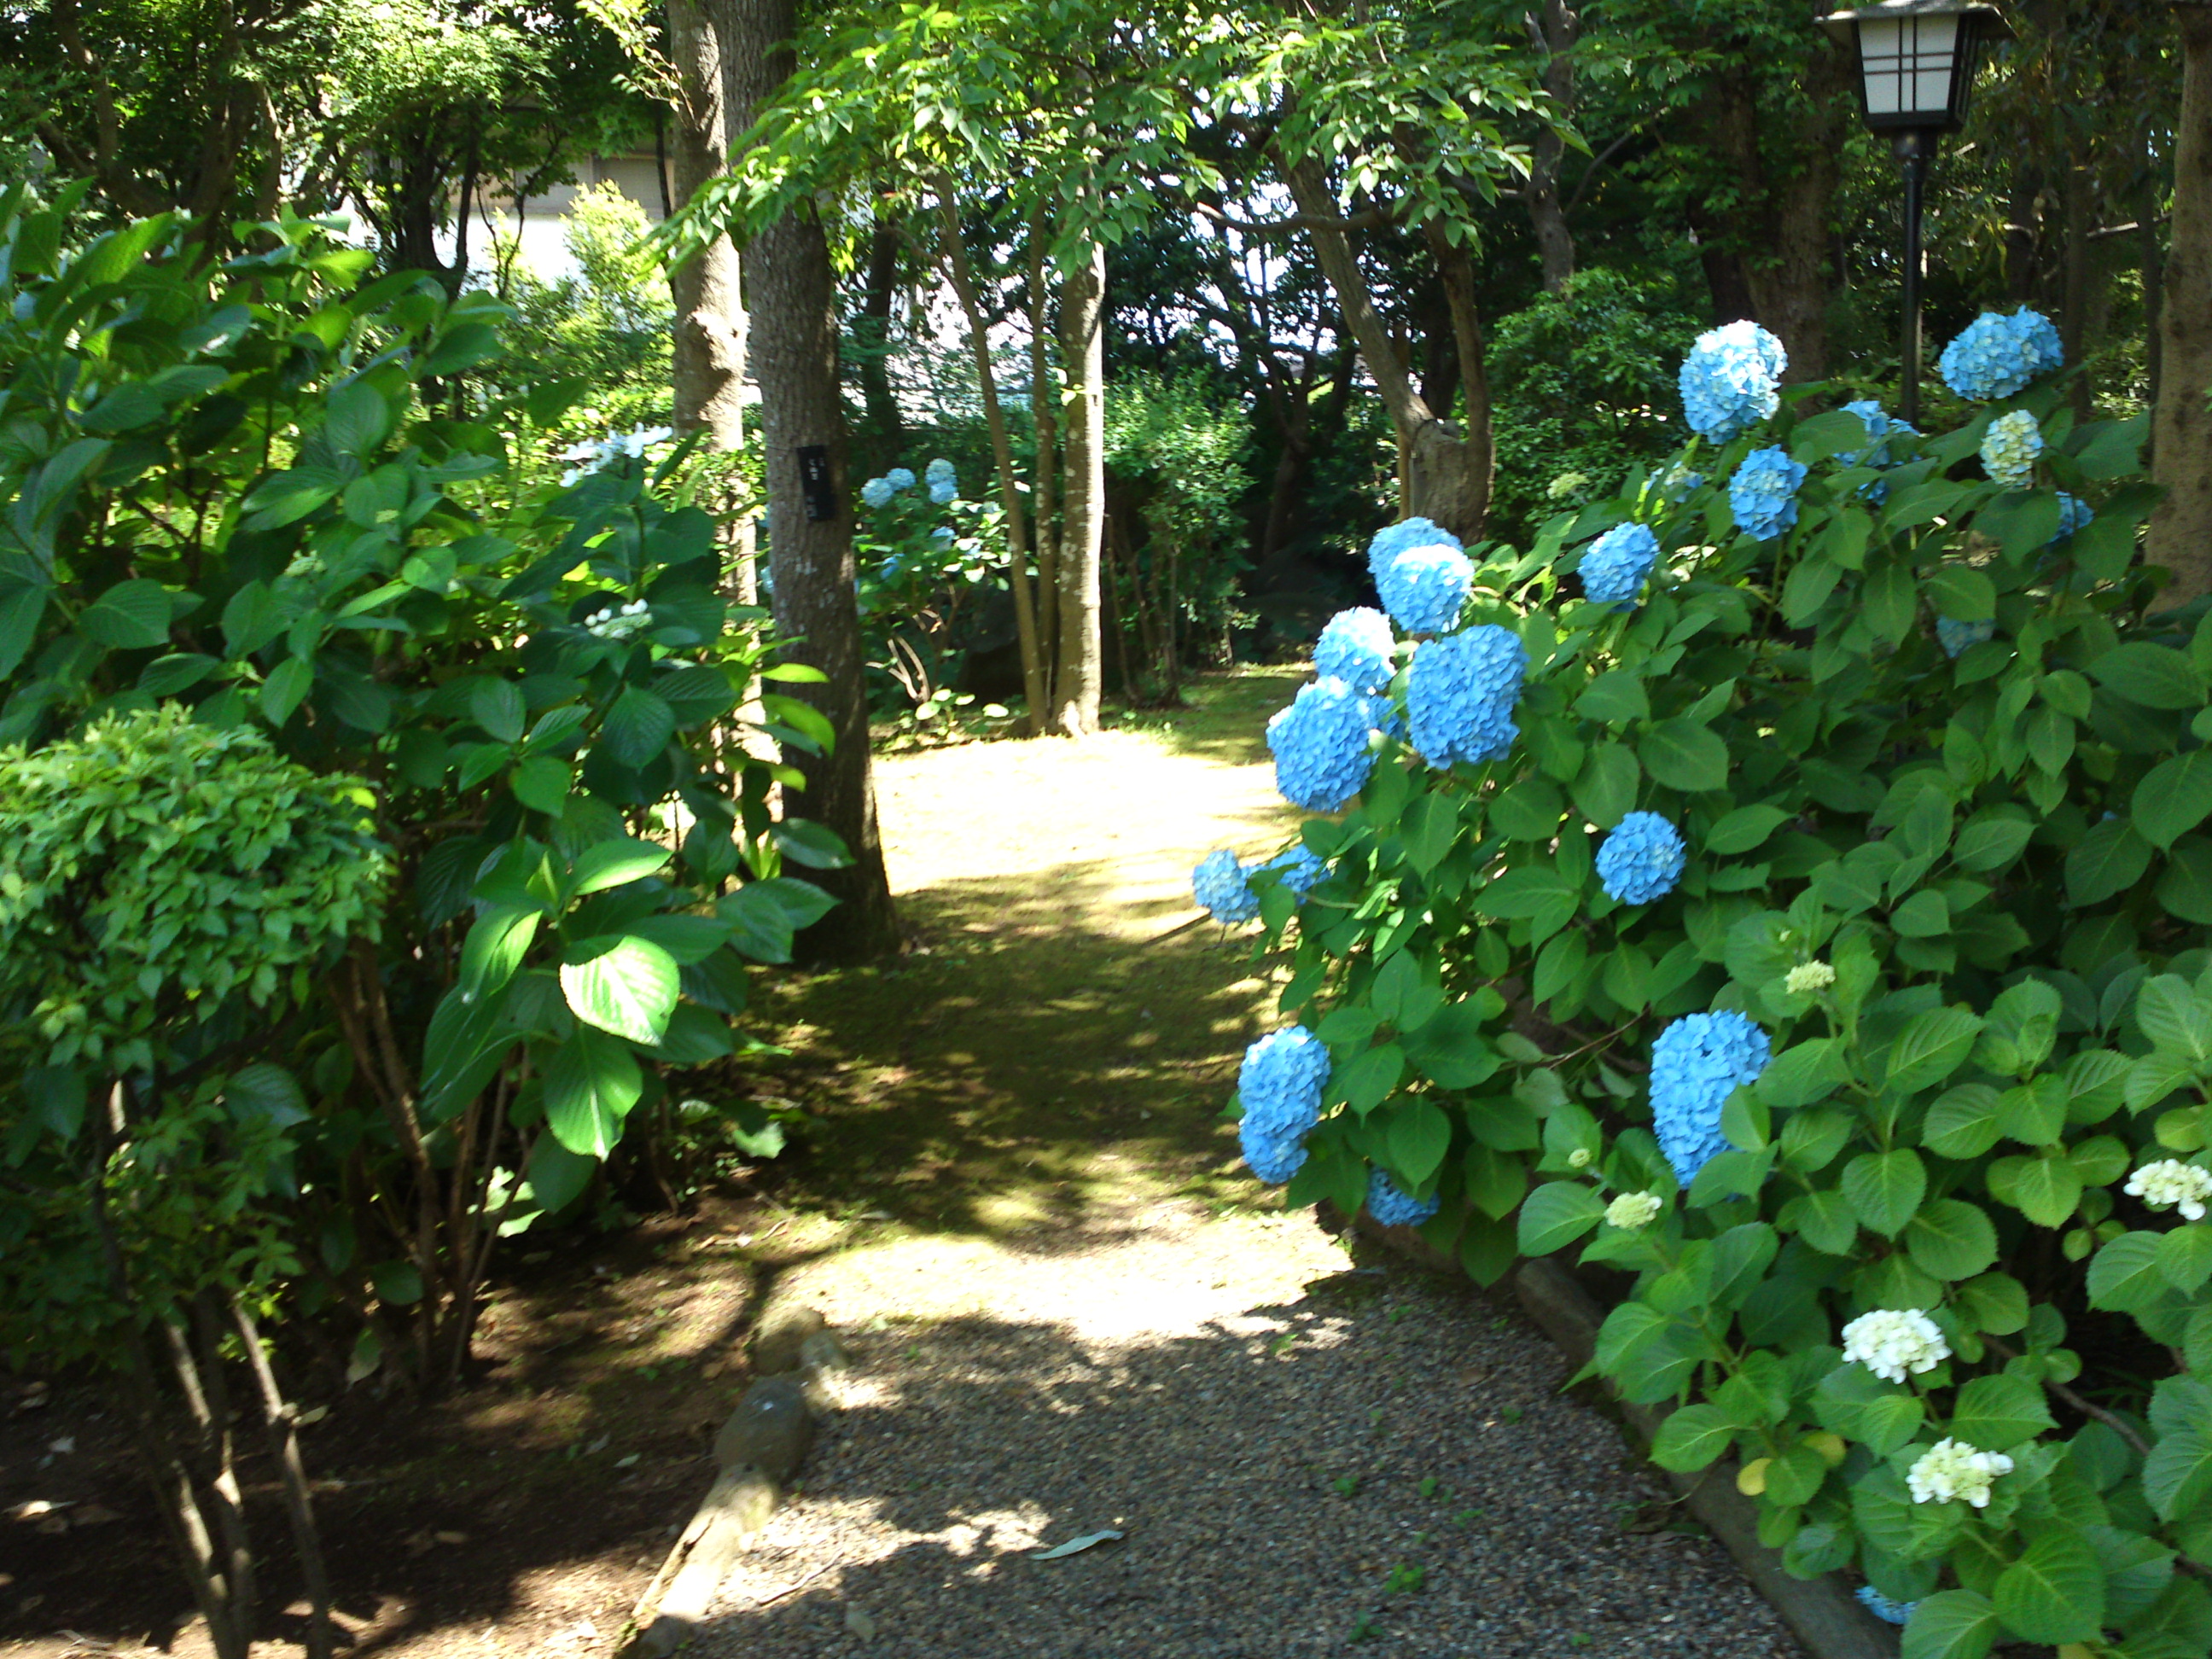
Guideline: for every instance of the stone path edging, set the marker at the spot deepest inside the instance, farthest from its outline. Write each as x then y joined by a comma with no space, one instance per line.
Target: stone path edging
1821,1612
797,1359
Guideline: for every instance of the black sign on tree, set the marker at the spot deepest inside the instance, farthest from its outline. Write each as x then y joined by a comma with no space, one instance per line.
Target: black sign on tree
814,482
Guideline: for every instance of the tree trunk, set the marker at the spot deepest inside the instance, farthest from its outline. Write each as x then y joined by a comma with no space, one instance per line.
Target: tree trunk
1437,479
2181,529
708,370
1456,271
794,340
1077,686
1554,29
1044,496
872,338
963,276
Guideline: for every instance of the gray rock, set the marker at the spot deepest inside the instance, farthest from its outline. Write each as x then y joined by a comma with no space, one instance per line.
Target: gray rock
770,1430
777,1344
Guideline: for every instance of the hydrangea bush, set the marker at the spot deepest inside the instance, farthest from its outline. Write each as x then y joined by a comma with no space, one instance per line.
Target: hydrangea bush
1825,944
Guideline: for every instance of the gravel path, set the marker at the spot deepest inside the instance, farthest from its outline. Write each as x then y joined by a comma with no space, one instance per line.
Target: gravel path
1283,1437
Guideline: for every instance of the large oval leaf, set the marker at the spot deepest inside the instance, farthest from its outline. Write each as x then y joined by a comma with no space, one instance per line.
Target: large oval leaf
629,988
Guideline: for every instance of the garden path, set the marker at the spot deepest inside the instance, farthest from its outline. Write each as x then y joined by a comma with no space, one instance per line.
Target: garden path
1075,1312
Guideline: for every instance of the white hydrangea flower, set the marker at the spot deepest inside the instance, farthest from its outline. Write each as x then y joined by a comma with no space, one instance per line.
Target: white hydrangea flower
1808,977
1579,1158
2171,1184
1892,1341
615,445
1565,485
612,624
1633,1210
1951,1471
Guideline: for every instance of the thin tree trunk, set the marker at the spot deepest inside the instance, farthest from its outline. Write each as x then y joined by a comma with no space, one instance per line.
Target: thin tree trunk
962,277
299,1500
707,372
1554,28
1044,423
2181,529
1078,686
795,340
1433,454
2079,268
872,335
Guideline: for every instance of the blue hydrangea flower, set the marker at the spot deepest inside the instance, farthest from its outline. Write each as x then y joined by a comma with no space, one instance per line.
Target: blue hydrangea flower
1679,482
1389,1204
939,470
942,534
2074,514
1763,494
1388,718
1641,859
1219,885
2010,448
944,494
1460,694
1730,379
889,570
1695,1063
1298,868
1423,587
899,477
878,492
1280,1086
1996,356
1319,745
1956,637
1882,426
1618,563
1355,647
1402,536
1882,1607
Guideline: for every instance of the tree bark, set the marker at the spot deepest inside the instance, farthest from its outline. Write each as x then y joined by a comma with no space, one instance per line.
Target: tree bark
963,276
795,340
2181,529
1438,481
1077,686
1456,269
708,369
1554,28
1044,423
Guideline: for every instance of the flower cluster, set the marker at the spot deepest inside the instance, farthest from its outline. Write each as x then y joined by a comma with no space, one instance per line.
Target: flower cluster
1566,484
1460,694
1696,1063
1280,1086
878,492
1882,1607
1641,859
1730,379
2171,1184
2074,514
1219,885
1392,1206
1402,537
1952,1470
1319,745
1763,494
1677,483
1955,636
1298,868
1618,563
1356,647
943,482
615,447
1807,977
2010,448
620,624
1893,1341
1633,1210
1423,587
1996,356
1882,426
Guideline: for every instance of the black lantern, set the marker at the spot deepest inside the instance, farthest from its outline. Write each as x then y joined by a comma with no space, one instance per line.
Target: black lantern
1917,62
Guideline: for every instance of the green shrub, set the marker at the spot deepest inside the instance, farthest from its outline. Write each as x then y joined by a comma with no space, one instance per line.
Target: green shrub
1965,899
278,494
